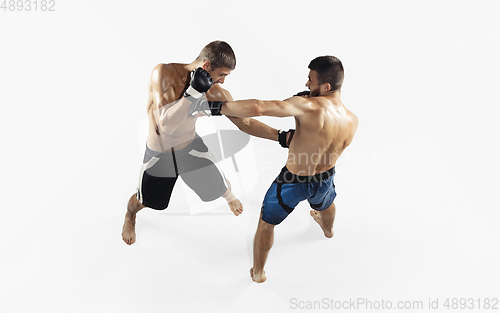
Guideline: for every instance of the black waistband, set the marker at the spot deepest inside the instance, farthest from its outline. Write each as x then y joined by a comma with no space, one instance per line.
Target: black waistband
287,177
169,153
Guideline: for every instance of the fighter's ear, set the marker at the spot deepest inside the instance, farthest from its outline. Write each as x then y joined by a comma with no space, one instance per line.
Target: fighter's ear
325,87
207,66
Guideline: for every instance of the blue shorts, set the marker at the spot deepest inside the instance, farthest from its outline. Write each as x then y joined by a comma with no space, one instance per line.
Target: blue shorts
289,189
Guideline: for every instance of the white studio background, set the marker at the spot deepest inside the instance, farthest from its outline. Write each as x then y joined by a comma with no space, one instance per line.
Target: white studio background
417,211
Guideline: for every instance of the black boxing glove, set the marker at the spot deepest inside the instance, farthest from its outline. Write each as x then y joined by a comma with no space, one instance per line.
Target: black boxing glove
303,93
282,137
200,83
204,107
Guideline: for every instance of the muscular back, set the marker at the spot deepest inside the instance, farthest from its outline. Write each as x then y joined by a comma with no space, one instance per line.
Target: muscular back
321,135
169,123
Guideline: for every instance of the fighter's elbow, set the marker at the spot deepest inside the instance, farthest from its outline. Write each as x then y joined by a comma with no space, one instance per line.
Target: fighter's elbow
244,124
257,109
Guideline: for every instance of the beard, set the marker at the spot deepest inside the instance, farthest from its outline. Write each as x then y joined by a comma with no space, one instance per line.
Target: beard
315,92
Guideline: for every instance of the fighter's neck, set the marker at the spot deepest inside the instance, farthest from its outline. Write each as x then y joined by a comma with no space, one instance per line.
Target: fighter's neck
194,65
333,95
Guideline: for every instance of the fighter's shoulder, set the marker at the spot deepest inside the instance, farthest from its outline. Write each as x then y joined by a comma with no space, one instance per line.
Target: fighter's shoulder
353,119
163,70
217,93
164,76
306,104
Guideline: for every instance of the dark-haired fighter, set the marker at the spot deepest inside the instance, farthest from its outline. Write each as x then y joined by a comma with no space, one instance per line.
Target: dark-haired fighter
173,147
324,128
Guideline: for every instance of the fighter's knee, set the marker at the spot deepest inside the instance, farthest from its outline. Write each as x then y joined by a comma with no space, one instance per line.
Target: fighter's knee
133,201
264,224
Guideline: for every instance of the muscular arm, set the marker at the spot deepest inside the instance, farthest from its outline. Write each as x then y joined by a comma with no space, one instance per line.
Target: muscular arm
295,106
255,128
247,125
169,114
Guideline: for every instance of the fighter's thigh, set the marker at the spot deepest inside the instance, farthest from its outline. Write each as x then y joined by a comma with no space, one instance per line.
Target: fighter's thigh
328,211
324,197
263,226
273,210
155,192
207,182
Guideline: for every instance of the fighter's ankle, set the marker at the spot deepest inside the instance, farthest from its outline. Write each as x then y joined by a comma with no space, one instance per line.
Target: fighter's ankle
131,214
229,198
258,272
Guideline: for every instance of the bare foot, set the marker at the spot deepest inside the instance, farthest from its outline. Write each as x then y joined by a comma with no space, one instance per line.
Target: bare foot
236,207
128,232
317,217
258,278
234,204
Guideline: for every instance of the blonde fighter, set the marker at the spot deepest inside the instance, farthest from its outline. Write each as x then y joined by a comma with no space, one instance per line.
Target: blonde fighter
173,148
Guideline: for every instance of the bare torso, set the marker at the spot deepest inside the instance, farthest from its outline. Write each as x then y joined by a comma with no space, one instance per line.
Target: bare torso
166,87
321,136
171,126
